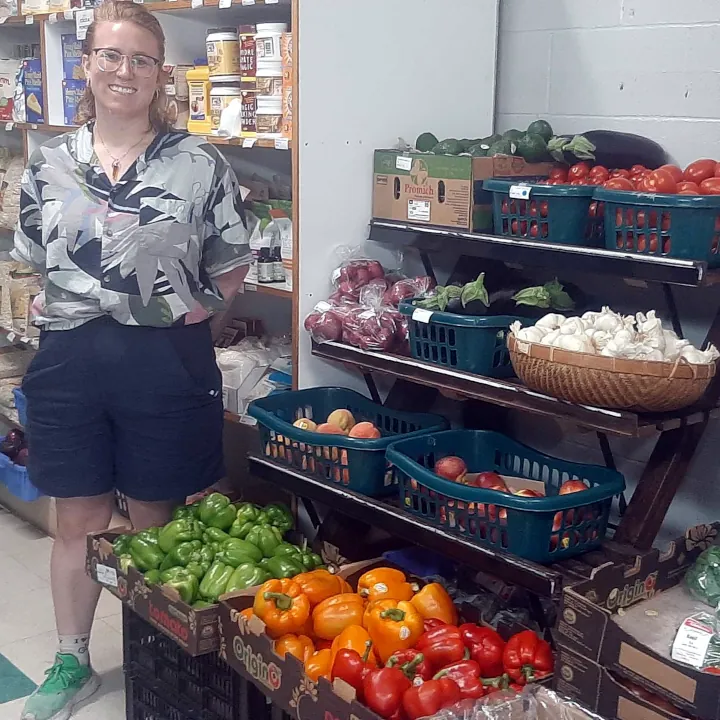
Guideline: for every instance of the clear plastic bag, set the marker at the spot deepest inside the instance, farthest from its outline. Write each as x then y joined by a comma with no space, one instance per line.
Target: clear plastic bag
408,288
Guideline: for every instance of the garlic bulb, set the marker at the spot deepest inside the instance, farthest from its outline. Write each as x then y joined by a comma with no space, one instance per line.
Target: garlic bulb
515,327
531,334
577,343
608,320
573,326
549,338
551,321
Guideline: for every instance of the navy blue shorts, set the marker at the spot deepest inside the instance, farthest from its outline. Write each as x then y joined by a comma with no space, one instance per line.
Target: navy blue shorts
133,408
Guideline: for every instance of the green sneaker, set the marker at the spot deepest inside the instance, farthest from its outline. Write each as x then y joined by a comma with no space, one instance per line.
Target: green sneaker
67,684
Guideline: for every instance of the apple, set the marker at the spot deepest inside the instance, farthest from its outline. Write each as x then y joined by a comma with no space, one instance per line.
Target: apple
305,424
364,430
341,418
490,481
328,429
572,486
451,468
526,492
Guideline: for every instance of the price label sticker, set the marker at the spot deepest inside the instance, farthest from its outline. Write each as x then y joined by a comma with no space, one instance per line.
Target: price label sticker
52,18
196,4
323,306
9,126
403,163
29,19
248,2
68,14
33,126
250,287
83,20
170,90
224,4
422,315
249,142
520,192
107,575
272,2
693,640
282,144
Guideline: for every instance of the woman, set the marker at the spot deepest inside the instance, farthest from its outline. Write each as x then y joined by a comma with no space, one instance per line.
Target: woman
139,234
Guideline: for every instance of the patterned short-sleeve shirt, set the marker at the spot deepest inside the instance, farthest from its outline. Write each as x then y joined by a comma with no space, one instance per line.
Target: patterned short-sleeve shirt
145,250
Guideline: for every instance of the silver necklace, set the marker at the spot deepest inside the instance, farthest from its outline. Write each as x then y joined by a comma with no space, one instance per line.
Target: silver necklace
116,161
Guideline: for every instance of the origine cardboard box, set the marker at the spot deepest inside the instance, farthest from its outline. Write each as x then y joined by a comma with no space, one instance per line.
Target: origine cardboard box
442,190
624,618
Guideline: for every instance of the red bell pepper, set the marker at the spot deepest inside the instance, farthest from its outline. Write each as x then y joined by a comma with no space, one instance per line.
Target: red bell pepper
486,648
384,689
442,646
430,697
351,667
432,623
527,657
466,674
412,663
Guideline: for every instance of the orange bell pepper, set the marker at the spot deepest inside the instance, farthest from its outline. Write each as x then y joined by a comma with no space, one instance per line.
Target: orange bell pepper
319,585
380,577
282,606
346,586
300,646
318,665
333,615
433,602
392,626
391,591
353,637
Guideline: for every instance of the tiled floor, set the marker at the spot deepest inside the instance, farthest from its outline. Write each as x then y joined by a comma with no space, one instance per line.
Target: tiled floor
27,634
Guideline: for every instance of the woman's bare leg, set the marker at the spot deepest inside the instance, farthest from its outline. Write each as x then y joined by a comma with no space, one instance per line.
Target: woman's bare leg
150,514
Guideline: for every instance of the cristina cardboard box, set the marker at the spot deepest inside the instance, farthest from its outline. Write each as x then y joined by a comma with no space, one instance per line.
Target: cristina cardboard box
442,190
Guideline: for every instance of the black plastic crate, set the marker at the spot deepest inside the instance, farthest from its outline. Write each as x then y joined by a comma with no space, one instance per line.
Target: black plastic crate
203,688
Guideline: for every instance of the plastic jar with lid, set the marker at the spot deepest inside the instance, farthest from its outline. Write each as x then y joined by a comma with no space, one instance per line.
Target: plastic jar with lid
269,117
221,95
269,81
198,80
223,52
267,41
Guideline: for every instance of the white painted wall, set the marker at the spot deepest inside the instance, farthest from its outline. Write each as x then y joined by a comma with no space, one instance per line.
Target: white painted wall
646,66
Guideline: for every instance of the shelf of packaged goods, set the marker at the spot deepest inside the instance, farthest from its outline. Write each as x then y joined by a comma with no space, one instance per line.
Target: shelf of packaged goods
511,394
568,258
274,290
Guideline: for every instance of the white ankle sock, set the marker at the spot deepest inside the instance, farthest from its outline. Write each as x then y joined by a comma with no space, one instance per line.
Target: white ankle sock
76,645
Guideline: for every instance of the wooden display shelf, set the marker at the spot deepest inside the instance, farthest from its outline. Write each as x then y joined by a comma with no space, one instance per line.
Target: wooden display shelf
511,394
274,290
533,253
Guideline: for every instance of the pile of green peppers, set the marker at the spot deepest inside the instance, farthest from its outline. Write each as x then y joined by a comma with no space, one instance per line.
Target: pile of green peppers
214,546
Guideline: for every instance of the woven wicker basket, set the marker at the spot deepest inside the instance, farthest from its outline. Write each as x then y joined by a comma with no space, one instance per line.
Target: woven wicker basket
609,382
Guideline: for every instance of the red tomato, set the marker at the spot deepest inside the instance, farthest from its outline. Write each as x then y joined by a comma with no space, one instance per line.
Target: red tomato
578,171
544,229
620,173
593,211
642,243
700,170
534,230
653,244
618,183
717,170
533,209
640,220
688,192
666,246
637,169
685,185
711,186
580,181
660,181
674,170
505,206
544,208
600,174
665,221
558,173
638,182
522,227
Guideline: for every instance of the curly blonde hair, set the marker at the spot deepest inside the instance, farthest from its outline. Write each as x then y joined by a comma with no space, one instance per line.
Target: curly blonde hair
128,11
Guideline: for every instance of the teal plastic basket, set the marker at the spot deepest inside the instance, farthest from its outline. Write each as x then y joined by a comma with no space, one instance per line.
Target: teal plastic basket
540,529
560,214
461,342
356,464
686,227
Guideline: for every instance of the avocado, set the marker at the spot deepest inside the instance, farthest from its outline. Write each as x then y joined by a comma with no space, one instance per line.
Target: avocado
513,135
532,148
451,146
502,147
479,150
426,142
542,128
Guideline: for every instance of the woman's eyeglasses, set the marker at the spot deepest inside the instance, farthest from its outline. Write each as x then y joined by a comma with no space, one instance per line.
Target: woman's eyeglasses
111,60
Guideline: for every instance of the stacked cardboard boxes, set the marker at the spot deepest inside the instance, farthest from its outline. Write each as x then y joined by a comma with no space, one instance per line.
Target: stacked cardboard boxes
73,76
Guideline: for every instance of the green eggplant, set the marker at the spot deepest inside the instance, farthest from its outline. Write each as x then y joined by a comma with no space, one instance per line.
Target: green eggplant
245,576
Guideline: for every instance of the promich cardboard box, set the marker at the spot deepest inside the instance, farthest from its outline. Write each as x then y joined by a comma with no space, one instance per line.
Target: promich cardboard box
624,620
442,190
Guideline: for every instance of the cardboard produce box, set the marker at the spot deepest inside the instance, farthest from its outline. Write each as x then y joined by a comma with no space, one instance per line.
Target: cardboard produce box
442,190
625,618
196,631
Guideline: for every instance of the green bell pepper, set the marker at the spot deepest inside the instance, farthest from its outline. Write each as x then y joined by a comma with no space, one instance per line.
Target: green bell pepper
145,550
217,511
286,549
241,528
121,545
125,561
215,581
309,560
214,536
236,552
279,516
202,604
187,512
245,576
178,531
152,577
283,567
197,569
266,537
183,581
247,512
182,554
